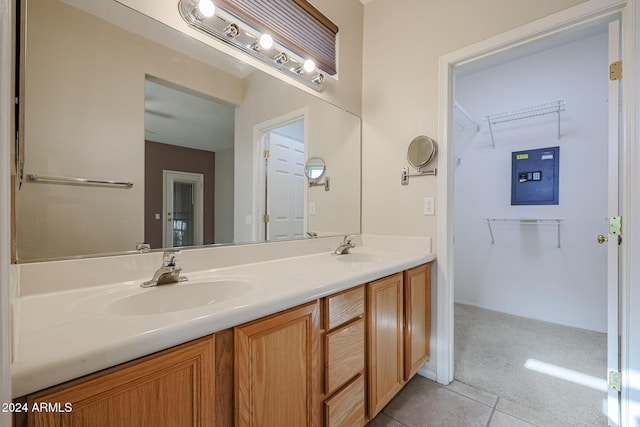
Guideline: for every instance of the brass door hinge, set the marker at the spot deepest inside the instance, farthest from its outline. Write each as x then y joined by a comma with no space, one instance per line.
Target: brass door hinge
266,154
615,227
615,71
265,219
615,380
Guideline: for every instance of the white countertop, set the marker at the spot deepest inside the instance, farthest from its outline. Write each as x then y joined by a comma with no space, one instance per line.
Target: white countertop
59,336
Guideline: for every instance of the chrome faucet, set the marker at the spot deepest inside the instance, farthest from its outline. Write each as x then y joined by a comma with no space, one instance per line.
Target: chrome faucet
346,245
169,271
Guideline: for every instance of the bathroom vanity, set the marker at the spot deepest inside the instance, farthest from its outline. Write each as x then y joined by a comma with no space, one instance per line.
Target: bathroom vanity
317,340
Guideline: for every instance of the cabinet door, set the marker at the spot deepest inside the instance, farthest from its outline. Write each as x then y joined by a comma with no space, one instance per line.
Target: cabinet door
385,308
417,300
171,388
277,370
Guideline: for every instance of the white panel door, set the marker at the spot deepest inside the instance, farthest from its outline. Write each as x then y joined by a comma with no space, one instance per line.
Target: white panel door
285,188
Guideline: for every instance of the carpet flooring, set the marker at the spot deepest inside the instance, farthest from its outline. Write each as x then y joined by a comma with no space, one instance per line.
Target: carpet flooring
547,367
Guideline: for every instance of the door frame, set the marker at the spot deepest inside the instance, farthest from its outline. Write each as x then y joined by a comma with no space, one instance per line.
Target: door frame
259,132
572,18
613,209
7,133
198,205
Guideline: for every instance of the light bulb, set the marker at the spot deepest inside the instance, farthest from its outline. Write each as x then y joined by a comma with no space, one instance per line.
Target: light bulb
309,65
266,41
206,8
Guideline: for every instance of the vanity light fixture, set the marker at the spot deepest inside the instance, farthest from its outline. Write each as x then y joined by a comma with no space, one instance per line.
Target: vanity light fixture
281,58
231,31
199,14
255,46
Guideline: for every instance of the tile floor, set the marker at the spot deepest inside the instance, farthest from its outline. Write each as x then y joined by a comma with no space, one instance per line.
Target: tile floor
424,403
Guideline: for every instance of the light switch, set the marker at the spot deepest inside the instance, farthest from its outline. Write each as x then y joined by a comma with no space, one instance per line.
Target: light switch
247,220
429,206
157,216
312,208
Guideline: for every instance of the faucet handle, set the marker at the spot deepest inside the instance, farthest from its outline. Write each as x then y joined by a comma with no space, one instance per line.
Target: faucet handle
142,247
170,257
347,239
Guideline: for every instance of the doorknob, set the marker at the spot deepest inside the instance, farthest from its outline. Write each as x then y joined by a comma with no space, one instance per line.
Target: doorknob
602,239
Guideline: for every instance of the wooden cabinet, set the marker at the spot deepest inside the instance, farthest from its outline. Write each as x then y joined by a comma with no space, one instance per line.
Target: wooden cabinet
175,387
399,320
344,359
276,370
417,318
385,308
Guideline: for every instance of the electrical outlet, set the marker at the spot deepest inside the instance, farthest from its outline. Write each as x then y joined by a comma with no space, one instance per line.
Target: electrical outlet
429,206
247,220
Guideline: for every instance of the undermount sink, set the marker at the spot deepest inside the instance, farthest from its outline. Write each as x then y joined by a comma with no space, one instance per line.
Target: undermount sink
359,257
177,297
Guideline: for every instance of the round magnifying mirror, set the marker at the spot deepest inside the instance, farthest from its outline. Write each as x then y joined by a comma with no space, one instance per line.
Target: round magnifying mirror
422,151
314,168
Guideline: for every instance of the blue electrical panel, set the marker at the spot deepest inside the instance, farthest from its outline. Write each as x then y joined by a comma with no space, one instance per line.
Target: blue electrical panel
534,176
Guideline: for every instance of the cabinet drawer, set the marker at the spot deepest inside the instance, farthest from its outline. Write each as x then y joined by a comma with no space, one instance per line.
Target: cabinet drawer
342,307
344,355
346,409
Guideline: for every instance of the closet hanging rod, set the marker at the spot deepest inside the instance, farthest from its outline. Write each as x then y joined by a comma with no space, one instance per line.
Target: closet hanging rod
76,181
551,107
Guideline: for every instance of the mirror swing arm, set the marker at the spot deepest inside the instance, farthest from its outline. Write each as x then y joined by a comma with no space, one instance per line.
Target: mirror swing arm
405,174
315,183
421,152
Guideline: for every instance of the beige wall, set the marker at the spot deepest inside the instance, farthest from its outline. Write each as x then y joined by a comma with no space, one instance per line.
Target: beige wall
403,40
84,115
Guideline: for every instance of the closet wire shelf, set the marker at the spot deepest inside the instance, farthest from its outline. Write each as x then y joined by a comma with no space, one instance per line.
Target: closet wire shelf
552,107
525,221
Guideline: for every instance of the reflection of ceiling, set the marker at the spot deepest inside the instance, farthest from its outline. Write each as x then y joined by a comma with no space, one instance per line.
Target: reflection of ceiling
292,130
130,20
176,117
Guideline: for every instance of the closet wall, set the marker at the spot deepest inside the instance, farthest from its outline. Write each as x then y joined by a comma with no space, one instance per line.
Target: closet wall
524,272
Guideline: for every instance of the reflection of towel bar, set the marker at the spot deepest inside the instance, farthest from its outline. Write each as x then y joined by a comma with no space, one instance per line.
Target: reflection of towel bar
76,181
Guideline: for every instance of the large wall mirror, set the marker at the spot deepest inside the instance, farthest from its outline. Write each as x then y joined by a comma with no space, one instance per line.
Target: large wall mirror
109,94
